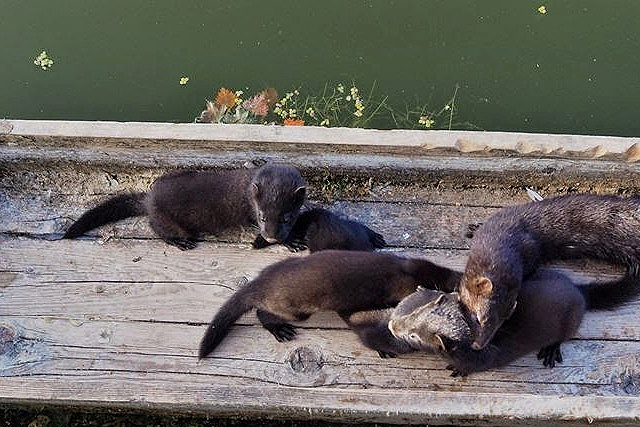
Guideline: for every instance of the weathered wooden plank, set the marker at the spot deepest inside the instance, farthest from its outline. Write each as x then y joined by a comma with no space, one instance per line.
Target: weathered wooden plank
77,185
375,159
318,357
460,141
57,361
402,224
401,407
150,281
116,322
445,170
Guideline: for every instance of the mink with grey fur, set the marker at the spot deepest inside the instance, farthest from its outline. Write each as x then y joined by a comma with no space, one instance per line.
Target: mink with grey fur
549,311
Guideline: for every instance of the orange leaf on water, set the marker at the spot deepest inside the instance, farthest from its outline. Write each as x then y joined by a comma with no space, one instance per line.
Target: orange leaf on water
293,122
226,97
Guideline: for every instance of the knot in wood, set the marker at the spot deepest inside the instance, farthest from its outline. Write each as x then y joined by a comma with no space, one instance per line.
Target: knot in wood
305,360
7,339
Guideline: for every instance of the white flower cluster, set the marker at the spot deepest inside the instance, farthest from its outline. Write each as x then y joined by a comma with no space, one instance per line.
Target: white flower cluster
43,61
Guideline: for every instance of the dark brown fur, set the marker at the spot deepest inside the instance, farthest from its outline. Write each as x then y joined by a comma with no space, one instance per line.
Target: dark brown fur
549,311
371,326
184,205
320,229
341,281
511,244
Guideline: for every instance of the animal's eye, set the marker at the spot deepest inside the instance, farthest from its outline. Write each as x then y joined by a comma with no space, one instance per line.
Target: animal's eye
414,337
285,219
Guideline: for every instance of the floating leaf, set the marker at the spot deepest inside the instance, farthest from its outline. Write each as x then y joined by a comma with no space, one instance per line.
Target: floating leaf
226,97
213,113
293,122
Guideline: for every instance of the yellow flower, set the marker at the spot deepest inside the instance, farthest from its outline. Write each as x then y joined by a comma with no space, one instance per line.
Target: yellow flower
184,80
426,121
542,9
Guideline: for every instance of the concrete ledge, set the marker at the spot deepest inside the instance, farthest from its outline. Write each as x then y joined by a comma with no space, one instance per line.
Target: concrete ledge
582,146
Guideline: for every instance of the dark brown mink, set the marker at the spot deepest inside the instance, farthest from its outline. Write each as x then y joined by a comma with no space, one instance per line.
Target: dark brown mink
549,311
331,280
512,243
183,205
319,229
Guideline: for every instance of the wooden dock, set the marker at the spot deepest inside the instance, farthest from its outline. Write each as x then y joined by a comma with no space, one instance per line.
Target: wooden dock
114,320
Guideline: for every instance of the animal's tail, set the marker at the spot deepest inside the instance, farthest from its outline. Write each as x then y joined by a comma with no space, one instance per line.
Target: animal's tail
219,327
112,210
609,295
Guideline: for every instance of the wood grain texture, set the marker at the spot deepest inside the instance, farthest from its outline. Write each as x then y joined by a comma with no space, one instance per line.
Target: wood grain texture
78,314
115,319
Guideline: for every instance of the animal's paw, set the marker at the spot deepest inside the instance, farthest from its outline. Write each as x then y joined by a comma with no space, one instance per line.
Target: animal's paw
260,242
550,355
295,245
282,332
457,371
386,355
182,244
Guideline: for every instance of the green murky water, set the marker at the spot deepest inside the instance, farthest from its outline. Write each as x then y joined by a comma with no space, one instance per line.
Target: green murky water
574,69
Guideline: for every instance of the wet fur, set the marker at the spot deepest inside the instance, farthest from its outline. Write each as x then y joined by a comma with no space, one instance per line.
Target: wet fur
183,205
330,280
511,244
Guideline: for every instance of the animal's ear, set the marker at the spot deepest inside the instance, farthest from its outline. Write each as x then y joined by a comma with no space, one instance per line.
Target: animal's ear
438,343
255,189
300,194
482,286
430,301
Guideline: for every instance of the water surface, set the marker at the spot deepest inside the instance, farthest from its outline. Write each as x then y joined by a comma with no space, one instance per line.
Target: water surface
574,69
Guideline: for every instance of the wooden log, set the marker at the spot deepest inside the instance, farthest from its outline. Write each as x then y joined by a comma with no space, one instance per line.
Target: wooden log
115,321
